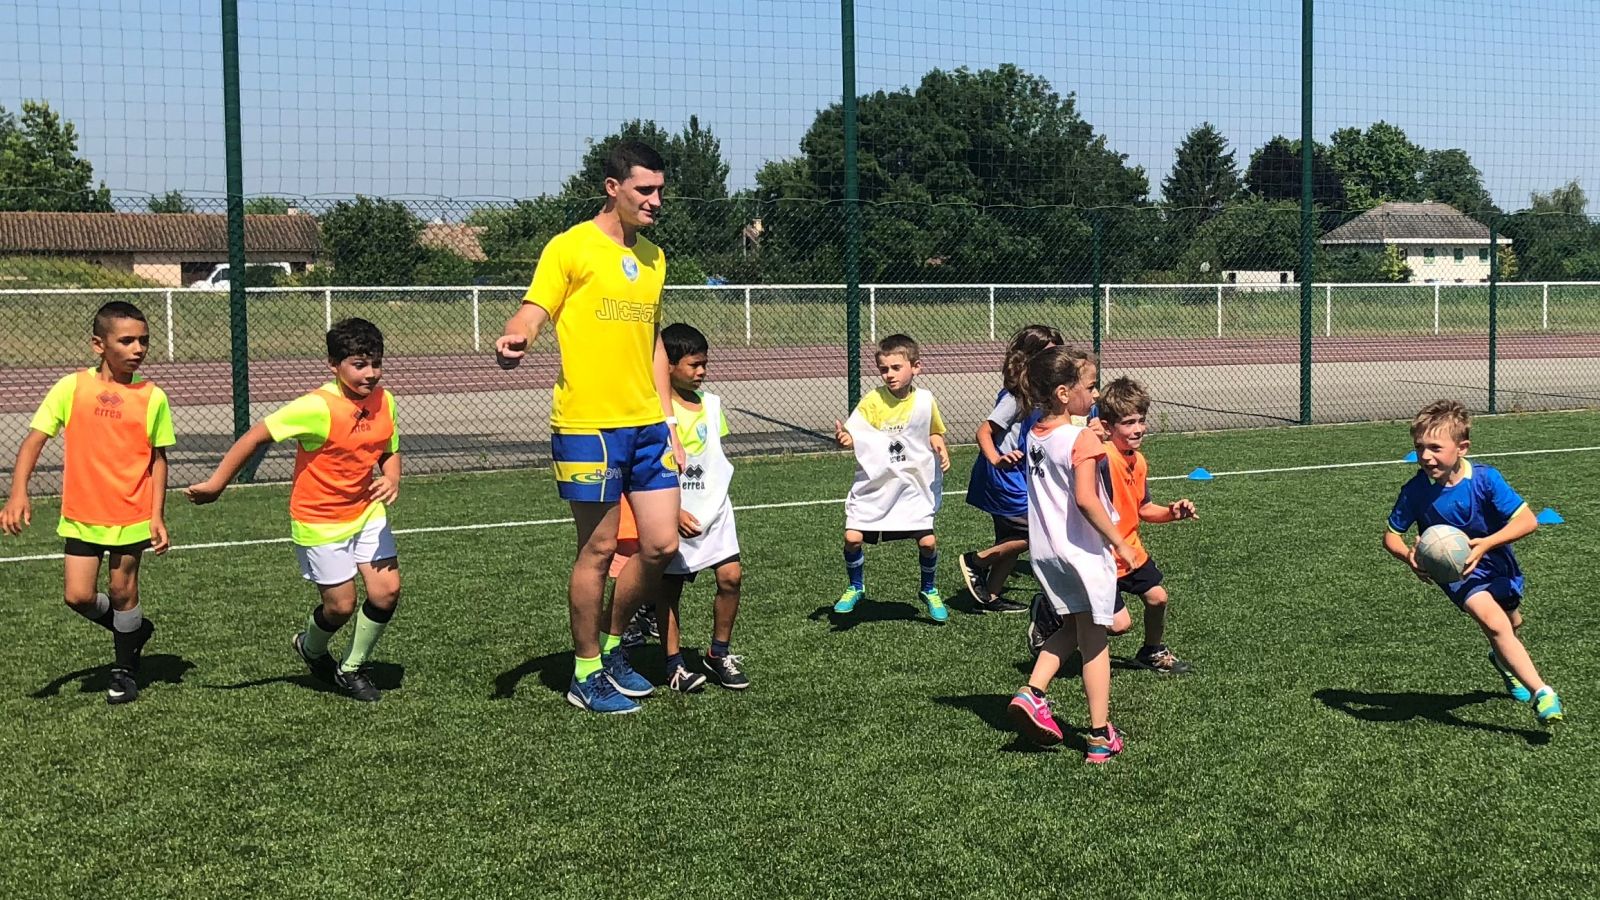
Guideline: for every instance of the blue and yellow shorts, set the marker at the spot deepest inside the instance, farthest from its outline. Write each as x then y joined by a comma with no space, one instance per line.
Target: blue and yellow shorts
601,465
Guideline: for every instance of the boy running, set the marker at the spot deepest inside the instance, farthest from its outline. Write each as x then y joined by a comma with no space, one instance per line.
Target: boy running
337,508
116,427
901,458
1450,490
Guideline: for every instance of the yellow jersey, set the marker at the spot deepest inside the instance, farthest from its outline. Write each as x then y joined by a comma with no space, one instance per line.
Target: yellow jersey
605,302
883,410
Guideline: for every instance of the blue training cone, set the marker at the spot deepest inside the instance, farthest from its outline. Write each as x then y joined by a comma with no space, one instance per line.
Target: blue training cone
1411,457
1199,474
1548,516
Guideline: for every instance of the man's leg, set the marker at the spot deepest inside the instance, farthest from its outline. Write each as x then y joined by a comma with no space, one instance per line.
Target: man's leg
597,541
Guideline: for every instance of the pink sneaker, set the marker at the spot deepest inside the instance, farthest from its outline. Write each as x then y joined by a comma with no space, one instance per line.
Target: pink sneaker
1032,717
1102,749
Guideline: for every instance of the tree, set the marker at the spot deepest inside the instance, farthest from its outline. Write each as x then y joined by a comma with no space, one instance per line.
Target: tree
170,202
967,176
1254,234
1567,200
1554,238
1274,175
1377,165
1203,178
1394,267
372,241
40,169
1449,176
1509,268
266,206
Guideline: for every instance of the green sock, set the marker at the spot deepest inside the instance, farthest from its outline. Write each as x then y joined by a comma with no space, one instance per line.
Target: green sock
609,642
583,668
370,623
317,633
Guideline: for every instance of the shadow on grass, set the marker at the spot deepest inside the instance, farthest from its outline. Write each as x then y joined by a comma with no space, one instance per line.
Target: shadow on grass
870,610
1403,706
156,668
554,671
385,676
991,708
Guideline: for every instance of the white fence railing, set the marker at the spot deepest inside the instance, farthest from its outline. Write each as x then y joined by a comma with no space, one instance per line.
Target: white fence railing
991,295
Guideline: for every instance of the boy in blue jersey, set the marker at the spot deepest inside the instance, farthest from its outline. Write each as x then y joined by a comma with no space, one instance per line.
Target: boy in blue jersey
1450,490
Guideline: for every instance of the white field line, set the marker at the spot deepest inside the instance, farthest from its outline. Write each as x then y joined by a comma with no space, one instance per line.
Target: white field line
533,523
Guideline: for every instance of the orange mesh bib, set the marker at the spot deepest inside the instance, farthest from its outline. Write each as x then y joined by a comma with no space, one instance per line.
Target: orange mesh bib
107,453
331,482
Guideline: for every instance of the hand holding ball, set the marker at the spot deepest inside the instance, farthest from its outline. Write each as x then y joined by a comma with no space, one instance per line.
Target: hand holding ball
1442,552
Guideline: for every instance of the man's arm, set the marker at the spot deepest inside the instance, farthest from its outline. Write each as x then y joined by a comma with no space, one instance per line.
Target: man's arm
521,330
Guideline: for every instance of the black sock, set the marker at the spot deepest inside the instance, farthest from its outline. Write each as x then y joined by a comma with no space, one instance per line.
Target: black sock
1036,692
320,617
127,627
381,616
1102,732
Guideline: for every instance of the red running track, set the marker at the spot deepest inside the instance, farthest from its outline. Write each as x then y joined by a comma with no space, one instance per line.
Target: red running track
194,383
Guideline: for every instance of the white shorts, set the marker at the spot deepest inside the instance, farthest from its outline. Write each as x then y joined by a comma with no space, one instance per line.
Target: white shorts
335,563
1071,593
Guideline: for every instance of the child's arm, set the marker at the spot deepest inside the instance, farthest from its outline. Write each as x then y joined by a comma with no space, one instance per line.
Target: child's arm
661,368
18,511
1521,525
386,487
159,541
842,437
986,445
1085,477
941,449
1395,543
248,445
1156,514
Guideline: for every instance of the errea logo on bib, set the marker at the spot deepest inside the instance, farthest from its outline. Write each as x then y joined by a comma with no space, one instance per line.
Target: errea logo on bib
630,268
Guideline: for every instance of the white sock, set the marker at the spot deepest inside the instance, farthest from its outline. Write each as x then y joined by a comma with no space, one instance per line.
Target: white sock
127,620
101,604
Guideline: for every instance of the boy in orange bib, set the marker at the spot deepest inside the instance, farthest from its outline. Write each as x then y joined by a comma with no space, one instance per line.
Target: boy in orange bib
338,519
116,427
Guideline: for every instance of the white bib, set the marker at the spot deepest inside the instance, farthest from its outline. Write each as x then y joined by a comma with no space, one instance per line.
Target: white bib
704,484
898,484
1071,559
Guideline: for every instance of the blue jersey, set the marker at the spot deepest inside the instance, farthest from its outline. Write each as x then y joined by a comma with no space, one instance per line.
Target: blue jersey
1004,492
1480,504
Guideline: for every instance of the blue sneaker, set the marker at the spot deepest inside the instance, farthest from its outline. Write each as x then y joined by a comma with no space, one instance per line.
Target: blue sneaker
628,682
934,603
597,694
1518,691
1547,706
848,600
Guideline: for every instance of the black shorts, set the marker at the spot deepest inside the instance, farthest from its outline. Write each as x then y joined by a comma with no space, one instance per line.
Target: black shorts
76,547
1007,529
884,537
689,578
1142,580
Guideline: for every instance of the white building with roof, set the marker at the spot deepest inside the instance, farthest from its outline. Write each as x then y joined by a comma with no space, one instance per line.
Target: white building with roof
1438,242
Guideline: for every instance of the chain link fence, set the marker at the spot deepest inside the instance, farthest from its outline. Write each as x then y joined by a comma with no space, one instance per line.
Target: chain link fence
1154,186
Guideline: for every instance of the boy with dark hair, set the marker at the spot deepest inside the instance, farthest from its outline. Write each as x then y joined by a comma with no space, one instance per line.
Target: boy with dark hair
116,426
338,519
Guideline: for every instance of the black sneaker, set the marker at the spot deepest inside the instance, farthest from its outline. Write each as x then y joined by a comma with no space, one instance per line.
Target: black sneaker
641,628
123,689
726,671
1001,605
1160,659
974,576
357,685
1043,621
322,667
142,637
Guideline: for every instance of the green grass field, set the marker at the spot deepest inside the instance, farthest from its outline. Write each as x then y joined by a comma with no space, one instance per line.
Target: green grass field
290,324
1343,734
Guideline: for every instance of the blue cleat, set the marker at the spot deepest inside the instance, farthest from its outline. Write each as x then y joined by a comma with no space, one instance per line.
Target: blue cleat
1547,706
934,604
849,599
628,682
1518,691
597,694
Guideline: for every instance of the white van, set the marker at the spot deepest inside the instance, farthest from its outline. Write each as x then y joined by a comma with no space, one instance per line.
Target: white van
219,279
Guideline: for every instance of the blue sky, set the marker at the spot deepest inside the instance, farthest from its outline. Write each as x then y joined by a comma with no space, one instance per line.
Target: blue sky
495,99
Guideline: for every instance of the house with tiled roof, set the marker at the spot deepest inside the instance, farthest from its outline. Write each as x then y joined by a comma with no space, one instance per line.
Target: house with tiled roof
1438,242
170,249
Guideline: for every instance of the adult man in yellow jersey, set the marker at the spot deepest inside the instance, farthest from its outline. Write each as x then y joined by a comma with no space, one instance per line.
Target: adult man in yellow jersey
611,419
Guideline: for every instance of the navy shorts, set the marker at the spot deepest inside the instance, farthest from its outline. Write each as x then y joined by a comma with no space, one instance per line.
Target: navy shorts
1142,580
1506,591
601,465
1007,529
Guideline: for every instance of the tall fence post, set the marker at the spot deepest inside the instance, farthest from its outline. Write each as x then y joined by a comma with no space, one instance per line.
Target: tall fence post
327,308
1307,211
169,326
1219,309
747,316
991,312
477,328
1494,312
1327,310
238,319
1100,315
1436,307
852,210
1544,308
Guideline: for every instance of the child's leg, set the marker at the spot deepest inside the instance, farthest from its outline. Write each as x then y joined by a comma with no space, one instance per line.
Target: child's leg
1502,635
1001,559
855,559
656,513
671,625
730,582
81,589
928,558
336,604
1096,668
382,580
1059,646
129,631
1121,620
1155,616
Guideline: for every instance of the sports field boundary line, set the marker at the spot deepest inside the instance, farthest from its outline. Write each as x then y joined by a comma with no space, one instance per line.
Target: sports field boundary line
832,501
